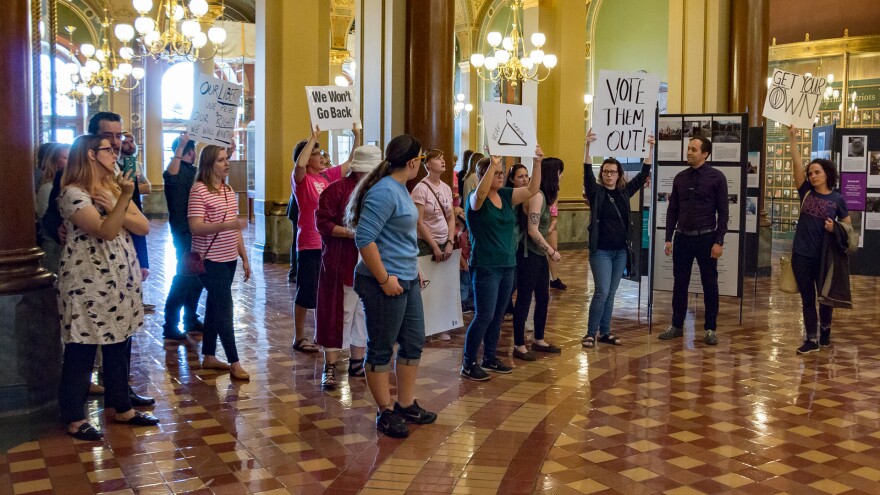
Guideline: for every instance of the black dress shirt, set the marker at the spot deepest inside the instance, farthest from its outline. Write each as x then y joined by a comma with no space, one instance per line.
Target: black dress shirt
177,189
698,194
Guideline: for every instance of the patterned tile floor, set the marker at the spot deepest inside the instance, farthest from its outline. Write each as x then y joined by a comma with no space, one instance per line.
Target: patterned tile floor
747,416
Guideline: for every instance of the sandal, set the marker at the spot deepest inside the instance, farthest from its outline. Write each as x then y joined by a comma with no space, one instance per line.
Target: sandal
356,368
328,377
304,345
87,433
588,342
610,339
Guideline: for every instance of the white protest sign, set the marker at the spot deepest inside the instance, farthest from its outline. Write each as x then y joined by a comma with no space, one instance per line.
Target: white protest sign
215,108
442,297
623,113
510,129
793,99
332,107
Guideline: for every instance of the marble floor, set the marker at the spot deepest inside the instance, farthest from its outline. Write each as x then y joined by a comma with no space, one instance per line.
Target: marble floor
747,416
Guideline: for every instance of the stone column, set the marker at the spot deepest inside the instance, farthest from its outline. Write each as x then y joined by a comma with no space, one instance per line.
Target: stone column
30,347
749,41
429,69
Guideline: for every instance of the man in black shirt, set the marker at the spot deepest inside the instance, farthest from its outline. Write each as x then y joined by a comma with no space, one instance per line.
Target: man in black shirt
185,291
697,214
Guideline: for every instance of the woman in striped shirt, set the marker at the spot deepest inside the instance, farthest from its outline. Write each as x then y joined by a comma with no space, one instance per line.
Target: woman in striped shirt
216,229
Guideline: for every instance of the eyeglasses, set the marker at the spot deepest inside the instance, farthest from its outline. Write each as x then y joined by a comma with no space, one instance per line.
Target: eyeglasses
110,135
609,172
499,174
108,148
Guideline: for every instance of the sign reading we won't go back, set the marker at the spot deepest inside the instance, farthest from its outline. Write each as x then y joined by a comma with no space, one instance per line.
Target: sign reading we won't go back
215,108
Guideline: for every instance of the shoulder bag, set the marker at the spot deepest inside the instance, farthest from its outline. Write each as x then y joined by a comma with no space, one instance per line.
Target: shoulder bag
630,255
194,261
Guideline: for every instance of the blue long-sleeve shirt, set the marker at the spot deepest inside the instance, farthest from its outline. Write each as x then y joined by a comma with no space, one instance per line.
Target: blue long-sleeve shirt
389,218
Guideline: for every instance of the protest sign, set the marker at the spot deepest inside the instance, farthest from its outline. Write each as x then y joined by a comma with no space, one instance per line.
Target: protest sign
442,297
332,107
215,108
623,113
793,99
510,129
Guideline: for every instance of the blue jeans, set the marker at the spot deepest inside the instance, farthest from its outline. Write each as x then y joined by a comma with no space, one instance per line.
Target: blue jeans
607,267
217,280
392,319
492,290
465,286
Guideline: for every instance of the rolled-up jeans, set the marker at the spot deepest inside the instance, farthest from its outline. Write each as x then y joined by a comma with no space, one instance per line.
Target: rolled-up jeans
391,319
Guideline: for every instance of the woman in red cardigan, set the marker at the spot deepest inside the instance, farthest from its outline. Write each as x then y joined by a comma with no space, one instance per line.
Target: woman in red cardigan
339,310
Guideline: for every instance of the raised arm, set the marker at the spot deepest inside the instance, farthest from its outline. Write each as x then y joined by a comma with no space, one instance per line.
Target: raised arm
590,183
533,213
633,186
299,170
797,164
173,167
522,194
485,184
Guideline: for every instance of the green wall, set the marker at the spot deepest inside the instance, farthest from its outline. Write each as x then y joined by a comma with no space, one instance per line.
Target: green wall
632,35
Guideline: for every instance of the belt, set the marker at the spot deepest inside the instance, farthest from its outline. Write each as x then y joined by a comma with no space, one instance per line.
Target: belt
691,233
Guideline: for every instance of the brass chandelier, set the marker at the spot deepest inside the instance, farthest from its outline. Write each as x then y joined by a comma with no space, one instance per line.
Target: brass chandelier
161,37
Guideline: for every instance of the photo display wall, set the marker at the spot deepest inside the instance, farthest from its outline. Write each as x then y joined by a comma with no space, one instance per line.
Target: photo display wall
729,136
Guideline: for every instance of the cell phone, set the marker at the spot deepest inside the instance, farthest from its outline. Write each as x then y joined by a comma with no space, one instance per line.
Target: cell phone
129,165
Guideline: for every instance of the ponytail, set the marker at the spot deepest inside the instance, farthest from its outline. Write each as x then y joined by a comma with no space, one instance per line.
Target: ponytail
356,202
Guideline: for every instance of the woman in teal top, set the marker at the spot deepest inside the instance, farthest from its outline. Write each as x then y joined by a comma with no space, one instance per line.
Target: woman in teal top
532,267
491,222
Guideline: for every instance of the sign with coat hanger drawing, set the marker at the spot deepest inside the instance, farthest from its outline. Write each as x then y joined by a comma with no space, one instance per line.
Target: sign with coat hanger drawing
510,129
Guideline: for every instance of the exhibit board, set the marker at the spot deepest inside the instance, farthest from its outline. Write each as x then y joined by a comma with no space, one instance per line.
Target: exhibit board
729,136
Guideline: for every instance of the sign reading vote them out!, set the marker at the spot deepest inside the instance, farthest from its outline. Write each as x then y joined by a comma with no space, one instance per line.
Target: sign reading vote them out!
332,107
793,99
623,113
215,108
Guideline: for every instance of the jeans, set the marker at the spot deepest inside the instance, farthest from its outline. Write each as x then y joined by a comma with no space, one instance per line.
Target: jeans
464,279
492,289
217,280
392,319
806,273
607,267
185,289
532,276
76,372
684,250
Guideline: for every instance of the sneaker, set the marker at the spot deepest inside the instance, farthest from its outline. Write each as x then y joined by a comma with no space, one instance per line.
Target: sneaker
711,338
808,347
671,333
825,337
444,337
557,284
415,414
474,372
497,366
391,424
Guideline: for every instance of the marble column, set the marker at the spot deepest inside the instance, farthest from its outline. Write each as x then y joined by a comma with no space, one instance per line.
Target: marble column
30,346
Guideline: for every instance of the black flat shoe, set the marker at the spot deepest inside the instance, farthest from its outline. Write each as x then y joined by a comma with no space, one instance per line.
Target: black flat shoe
552,349
87,433
141,419
139,400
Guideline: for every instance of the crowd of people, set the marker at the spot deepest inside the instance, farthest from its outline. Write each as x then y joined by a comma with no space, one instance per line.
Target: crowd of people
360,229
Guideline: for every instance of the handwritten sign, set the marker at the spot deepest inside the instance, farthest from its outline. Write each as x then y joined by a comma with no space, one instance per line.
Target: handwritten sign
332,107
794,99
623,113
510,129
442,297
215,108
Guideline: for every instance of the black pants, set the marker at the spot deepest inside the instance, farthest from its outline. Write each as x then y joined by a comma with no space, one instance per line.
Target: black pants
76,371
185,289
685,250
217,280
293,216
532,276
806,274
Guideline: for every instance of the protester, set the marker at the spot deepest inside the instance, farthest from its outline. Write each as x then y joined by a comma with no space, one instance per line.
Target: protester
821,206
436,225
52,158
697,215
464,280
340,313
186,289
532,271
553,239
99,284
469,181
309,179
609,231
216,231
388,280
492,224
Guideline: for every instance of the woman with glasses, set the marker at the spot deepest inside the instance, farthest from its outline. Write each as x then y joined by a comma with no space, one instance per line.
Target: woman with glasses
99,283
384,218
491,221
609,232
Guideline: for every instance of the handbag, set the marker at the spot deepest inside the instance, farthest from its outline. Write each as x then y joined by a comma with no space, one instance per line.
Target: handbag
193,261
787,282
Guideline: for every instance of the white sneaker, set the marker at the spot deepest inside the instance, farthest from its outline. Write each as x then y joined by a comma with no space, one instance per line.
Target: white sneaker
444,336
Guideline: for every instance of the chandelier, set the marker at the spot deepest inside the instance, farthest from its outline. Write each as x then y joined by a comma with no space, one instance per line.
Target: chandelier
173,42
102,71
461,109
508,59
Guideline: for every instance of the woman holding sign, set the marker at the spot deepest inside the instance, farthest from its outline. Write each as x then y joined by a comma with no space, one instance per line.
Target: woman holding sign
609,232
491,221
821,206
384,218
